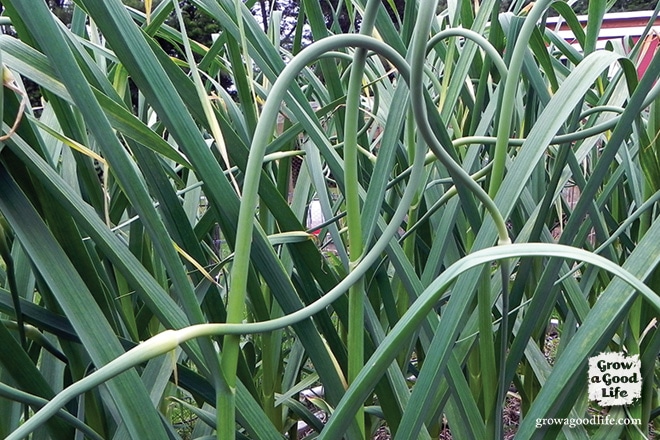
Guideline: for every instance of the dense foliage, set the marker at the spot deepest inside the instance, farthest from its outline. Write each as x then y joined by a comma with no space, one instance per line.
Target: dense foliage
479,178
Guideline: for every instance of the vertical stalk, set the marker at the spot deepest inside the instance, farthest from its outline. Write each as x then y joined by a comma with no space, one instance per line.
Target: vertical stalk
503,386
356,294
417,56
486,348
226,402
409,244
269,350
270,342
509,95
270,372
355,342
5,254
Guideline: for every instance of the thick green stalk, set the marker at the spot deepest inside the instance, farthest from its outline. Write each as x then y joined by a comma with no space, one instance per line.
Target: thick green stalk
486,349
226,384
410,142
502,385
5,254
226,402
270,366
355,340
356,294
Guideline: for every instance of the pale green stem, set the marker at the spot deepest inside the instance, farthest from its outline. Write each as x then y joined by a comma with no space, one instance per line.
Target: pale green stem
270,367
423,27
487,351
355,340
418,51
403,299
503,387
507,104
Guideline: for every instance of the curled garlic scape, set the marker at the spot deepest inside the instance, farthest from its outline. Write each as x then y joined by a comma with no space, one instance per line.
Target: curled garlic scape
9,82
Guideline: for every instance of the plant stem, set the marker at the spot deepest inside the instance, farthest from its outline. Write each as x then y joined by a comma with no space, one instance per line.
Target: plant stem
417,59
356,294
509,95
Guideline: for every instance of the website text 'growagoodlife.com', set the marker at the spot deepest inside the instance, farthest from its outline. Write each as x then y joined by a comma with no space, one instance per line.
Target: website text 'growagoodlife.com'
593,420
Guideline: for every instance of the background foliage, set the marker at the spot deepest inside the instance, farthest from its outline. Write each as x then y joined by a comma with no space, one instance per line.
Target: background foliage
158,278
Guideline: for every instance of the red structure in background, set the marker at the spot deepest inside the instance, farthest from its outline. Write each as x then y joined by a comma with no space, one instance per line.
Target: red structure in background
618,26
649,49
